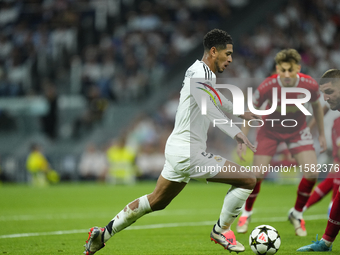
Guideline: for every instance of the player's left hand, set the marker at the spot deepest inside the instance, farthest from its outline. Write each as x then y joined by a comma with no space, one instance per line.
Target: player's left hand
323,143
249,116
241,138
241,150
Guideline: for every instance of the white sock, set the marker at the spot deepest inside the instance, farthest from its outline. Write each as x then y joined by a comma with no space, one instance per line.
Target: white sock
304,208
232,206
328,243
126,217
246,213
298,215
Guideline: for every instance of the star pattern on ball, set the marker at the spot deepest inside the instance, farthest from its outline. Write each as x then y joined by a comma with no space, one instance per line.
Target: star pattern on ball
270,244
264,240
264,229
254,241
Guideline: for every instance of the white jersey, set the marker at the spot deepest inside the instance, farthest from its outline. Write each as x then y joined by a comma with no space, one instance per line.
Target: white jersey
191,127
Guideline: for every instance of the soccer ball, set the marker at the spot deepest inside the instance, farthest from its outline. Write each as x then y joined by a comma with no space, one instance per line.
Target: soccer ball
264,240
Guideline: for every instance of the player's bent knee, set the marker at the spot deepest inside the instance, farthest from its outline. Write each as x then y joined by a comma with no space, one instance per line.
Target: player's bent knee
259,179
245,182
159,205
249,183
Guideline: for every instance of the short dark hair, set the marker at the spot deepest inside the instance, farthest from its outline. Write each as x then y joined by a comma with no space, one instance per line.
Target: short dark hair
216,38
331,75
288,55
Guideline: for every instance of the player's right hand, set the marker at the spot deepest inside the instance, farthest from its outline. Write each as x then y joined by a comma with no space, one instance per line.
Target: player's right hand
242,139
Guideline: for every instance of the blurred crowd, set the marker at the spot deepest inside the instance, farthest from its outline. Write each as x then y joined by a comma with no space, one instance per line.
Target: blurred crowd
120,47
104,50
36,39
116,162
316,28
117,51
135,154
309,26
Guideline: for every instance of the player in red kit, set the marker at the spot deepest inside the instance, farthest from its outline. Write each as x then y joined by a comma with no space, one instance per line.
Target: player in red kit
336,155
290,128
332,181
330,86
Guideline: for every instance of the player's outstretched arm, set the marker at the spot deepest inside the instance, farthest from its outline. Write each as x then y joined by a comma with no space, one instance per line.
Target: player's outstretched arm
241,148
249,116
312,122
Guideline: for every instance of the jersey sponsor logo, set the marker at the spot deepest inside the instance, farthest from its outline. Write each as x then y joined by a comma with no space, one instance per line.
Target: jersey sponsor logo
205,154
189,74
213,90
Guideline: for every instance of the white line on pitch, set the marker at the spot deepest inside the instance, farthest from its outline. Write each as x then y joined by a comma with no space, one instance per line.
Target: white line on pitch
155,226
67,216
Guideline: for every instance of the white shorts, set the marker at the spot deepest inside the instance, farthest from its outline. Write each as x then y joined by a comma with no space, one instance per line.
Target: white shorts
202,165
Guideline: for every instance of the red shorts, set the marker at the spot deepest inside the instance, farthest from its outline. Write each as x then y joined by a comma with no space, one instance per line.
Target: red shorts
267,141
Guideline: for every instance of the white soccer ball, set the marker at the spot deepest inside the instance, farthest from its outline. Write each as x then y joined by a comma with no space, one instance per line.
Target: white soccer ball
264,240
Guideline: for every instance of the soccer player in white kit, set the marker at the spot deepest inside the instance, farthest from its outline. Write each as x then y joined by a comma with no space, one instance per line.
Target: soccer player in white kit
185,149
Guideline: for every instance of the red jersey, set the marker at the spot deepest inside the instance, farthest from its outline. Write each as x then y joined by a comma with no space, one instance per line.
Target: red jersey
336,139
264,93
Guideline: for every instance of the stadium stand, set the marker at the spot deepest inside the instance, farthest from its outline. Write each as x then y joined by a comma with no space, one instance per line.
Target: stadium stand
121,59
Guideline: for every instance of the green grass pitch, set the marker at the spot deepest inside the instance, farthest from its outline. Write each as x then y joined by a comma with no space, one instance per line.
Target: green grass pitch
55,219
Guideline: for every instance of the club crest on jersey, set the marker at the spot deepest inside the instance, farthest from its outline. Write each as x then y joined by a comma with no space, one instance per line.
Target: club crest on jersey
218,159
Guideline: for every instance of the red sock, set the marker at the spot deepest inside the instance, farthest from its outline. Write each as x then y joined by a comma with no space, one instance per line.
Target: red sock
320,191
303,193
333,225
336,183
252,197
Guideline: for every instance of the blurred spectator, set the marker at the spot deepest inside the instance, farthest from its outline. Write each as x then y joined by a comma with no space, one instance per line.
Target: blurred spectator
7,122
96,106
39,168
93,164
63,41
41,39
150,162
3,176
142,130
9,13
69,166
6,89
50,120
184,40
122,167
91,71
5,47
17,73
